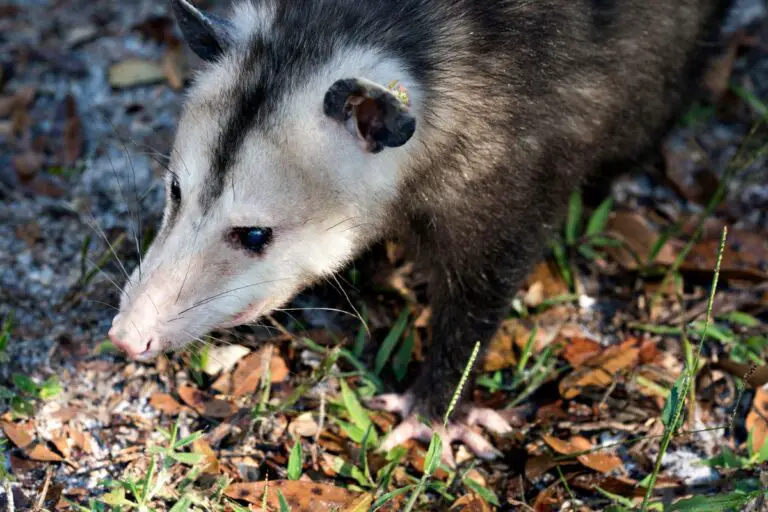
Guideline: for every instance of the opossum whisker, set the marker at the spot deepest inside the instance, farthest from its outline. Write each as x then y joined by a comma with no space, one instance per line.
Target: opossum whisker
342,222
136,224
99,231
101,271
103,304
219,295
153,303
349,301
189,265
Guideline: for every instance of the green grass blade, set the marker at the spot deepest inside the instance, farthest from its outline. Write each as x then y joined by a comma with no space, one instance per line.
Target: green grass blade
388,345
599,218
295,461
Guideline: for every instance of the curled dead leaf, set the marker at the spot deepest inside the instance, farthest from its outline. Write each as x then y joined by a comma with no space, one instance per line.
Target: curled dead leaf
578,350
471,503
600,370
211,462
300,495
164,402
204,404
245,379
20,435
639,239
599,460
173,65
40,452
757,419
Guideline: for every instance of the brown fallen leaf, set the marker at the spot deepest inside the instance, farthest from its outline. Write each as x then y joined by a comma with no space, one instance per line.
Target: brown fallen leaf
223,358
165,403
718,71
20,435
40,452
500,353
360,504
73,132
27,165
245,379
61,442
599,461
173,65
301,495
211,461
599,371
204,404
545,282
578,350
135,72
471,503
757,419
638,237
745,256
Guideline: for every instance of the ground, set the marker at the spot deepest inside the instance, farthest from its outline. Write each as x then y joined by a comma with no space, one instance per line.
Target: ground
615,370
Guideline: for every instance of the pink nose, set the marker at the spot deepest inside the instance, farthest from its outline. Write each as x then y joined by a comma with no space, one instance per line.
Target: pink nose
130,350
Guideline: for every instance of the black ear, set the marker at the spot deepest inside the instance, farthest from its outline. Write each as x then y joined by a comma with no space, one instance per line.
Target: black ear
375,114
207,35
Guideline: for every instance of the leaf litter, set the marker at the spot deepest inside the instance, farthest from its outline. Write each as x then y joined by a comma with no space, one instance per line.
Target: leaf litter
588,359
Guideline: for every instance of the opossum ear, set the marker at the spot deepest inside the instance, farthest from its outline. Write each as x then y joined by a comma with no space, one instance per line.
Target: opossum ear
207,35
371,112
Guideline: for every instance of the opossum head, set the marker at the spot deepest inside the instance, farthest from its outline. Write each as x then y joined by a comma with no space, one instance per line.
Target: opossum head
285,162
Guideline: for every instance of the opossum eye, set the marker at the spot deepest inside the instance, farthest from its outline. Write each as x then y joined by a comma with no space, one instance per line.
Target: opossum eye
252,239
175,191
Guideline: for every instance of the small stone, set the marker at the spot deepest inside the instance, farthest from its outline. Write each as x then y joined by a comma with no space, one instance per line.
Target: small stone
81,35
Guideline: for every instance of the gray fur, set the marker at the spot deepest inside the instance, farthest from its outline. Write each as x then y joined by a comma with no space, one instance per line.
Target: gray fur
516,104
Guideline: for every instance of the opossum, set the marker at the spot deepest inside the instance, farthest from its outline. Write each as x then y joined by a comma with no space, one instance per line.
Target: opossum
316,128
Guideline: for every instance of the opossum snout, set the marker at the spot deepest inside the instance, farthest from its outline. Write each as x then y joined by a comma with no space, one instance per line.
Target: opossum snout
133,344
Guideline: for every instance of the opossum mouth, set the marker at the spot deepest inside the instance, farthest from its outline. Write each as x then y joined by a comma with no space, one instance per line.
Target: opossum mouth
248,315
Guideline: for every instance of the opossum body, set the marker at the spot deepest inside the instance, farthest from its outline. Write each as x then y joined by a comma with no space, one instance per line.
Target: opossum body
318,127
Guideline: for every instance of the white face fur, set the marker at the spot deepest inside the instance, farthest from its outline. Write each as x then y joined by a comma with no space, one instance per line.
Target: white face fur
310,185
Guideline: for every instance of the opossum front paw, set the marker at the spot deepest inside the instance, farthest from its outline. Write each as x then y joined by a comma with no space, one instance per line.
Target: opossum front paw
461,430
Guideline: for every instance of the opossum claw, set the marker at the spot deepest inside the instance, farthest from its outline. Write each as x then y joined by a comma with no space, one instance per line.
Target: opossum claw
462,431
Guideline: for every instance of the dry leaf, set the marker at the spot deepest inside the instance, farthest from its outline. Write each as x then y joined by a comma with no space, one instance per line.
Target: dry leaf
27,165
61,442
757,419
500,353
212,463
745,256
300,495
245,379
134,72
578,350
471,503
165,403
206,405
173,65
599,371
223,358
599,461
361,504
73,132
545,282
19,434
303,425
637,234
42,453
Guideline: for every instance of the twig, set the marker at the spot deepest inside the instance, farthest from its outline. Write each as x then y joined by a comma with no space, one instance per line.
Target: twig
44,492
9,492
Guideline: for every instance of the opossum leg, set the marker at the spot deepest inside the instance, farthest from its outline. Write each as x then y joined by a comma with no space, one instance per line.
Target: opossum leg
456,431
